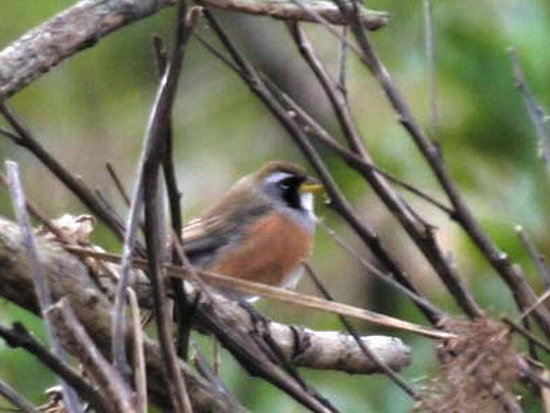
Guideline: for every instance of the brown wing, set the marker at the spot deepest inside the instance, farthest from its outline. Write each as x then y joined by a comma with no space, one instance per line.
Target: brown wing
203,237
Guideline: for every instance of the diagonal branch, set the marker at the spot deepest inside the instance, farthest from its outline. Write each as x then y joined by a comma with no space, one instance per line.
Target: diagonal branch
88,21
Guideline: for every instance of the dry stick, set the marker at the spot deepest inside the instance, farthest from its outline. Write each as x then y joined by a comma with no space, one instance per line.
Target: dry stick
538,259
140,375
392,375
41,285
184,29
264,290
25,139
18,336
520,289
342,65
118,183
336,98
11,395
536,304
107,378
156,243
429,39
148,177
338,201
537,115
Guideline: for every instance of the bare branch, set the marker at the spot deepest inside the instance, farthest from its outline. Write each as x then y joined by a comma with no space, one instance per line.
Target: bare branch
537,115
22,404
84,24
429,39
75,338
138,357
40,283
24,138
538,259
365,349
18,336
264,290
527,334
68,277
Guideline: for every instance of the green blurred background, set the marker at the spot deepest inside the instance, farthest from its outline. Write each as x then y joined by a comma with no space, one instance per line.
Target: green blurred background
93,108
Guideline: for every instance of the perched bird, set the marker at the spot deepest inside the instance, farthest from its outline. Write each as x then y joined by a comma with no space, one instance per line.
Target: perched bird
260,230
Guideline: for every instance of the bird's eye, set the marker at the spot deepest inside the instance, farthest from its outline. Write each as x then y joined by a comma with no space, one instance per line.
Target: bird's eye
286,184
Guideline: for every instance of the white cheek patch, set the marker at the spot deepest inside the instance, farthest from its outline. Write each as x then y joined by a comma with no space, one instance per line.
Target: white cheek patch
306,201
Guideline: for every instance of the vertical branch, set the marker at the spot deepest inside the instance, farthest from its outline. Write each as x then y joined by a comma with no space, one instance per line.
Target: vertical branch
138,354
538,259
105,376
342,64
185,26
40,282
537,115
148,176
429,39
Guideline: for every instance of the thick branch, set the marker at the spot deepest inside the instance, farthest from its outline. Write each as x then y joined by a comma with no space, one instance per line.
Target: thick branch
82,25
69,278
304,347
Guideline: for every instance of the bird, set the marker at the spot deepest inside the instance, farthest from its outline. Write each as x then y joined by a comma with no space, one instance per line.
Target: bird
260,230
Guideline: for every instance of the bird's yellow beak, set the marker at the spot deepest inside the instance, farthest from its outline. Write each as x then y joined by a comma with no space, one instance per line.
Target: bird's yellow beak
311,185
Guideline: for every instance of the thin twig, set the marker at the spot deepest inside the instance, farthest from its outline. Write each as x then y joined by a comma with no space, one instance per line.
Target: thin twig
40,282
528,335
140,374
342,64
184,30
429,39
148,176
22,404
335,96
268,291
118,183
535,305
538,259
25,139
536,113
107,378
19,336
392,375
371,268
